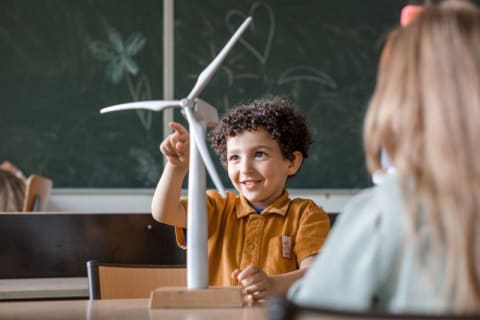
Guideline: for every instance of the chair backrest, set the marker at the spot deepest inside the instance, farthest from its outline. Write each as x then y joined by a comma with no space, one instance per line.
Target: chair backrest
36,193
131,281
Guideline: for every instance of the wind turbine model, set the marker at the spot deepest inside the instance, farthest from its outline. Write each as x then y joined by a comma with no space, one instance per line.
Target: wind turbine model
199,115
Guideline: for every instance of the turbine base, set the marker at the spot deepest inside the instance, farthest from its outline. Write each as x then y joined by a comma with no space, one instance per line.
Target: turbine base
212,297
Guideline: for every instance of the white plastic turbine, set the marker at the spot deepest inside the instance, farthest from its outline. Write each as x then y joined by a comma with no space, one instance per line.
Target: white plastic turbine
199,115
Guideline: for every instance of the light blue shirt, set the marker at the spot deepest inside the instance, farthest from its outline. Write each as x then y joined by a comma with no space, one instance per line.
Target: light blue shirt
366,264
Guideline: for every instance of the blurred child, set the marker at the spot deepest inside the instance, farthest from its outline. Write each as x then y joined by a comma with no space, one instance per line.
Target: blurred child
412,243
12,192
260,239
8,166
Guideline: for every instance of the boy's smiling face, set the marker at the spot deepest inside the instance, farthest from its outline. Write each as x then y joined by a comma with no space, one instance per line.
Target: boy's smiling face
257,167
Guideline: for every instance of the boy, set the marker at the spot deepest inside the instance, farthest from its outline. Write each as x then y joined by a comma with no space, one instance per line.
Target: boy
260,238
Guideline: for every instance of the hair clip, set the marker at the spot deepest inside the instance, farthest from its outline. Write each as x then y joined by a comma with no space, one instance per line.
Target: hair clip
409,12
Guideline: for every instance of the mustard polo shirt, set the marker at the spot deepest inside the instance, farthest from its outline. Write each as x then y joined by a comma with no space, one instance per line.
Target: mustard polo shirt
277,240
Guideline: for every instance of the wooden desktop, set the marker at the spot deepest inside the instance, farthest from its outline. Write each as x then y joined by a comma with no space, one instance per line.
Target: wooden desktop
138,309
119,309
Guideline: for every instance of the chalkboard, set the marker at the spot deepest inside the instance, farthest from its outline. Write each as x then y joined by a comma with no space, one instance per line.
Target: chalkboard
62,60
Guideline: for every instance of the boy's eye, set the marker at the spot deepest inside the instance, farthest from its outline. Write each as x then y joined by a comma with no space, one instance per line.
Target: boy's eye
260,154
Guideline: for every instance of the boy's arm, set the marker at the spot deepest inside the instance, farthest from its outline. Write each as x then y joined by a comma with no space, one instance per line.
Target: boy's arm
282,282
257,285
166,206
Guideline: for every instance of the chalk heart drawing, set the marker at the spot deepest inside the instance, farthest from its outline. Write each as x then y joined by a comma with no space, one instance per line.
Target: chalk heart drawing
258,11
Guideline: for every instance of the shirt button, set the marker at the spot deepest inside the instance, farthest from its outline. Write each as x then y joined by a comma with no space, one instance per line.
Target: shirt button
251,246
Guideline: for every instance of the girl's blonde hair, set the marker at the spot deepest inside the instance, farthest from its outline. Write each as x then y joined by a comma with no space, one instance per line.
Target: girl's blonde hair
12,192
425,112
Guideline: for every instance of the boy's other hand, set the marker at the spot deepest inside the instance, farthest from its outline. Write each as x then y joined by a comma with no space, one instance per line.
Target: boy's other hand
255,282
176,146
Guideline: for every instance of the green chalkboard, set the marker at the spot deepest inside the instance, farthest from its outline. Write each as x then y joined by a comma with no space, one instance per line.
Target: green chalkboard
62,60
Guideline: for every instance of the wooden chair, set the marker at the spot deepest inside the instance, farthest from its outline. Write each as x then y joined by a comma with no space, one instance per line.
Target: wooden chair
130,281
280,308
36,193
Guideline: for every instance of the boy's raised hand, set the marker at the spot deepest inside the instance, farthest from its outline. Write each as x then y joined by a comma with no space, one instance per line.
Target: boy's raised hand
255,282
176,146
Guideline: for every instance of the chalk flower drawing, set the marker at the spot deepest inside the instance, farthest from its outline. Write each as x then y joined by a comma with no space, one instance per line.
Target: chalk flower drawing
120,64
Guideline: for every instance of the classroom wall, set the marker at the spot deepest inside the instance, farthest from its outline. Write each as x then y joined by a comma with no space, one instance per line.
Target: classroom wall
138,200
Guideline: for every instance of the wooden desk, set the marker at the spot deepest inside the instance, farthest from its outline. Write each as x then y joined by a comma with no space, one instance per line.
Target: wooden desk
119,309
137,309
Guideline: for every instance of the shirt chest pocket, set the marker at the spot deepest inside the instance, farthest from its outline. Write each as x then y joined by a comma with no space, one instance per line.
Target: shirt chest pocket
280,256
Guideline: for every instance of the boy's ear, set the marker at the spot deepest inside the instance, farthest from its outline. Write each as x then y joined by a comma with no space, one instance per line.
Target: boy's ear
296,163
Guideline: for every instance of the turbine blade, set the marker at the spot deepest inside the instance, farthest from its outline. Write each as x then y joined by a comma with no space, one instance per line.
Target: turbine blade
153,105
210,70
197,132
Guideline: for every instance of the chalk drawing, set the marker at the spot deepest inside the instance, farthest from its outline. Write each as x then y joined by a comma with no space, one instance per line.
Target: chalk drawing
233,70
225,71
146,167
120,64
295,74
255,9
306,73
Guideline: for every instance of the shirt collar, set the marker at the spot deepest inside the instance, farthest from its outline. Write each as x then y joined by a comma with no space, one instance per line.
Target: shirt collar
279,206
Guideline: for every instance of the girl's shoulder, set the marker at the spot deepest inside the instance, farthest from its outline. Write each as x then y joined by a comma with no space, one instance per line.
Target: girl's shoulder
385,198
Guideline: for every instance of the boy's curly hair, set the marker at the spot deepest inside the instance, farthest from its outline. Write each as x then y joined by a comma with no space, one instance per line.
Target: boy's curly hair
276,115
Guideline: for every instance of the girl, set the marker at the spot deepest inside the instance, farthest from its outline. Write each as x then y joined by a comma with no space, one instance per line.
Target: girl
412,243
